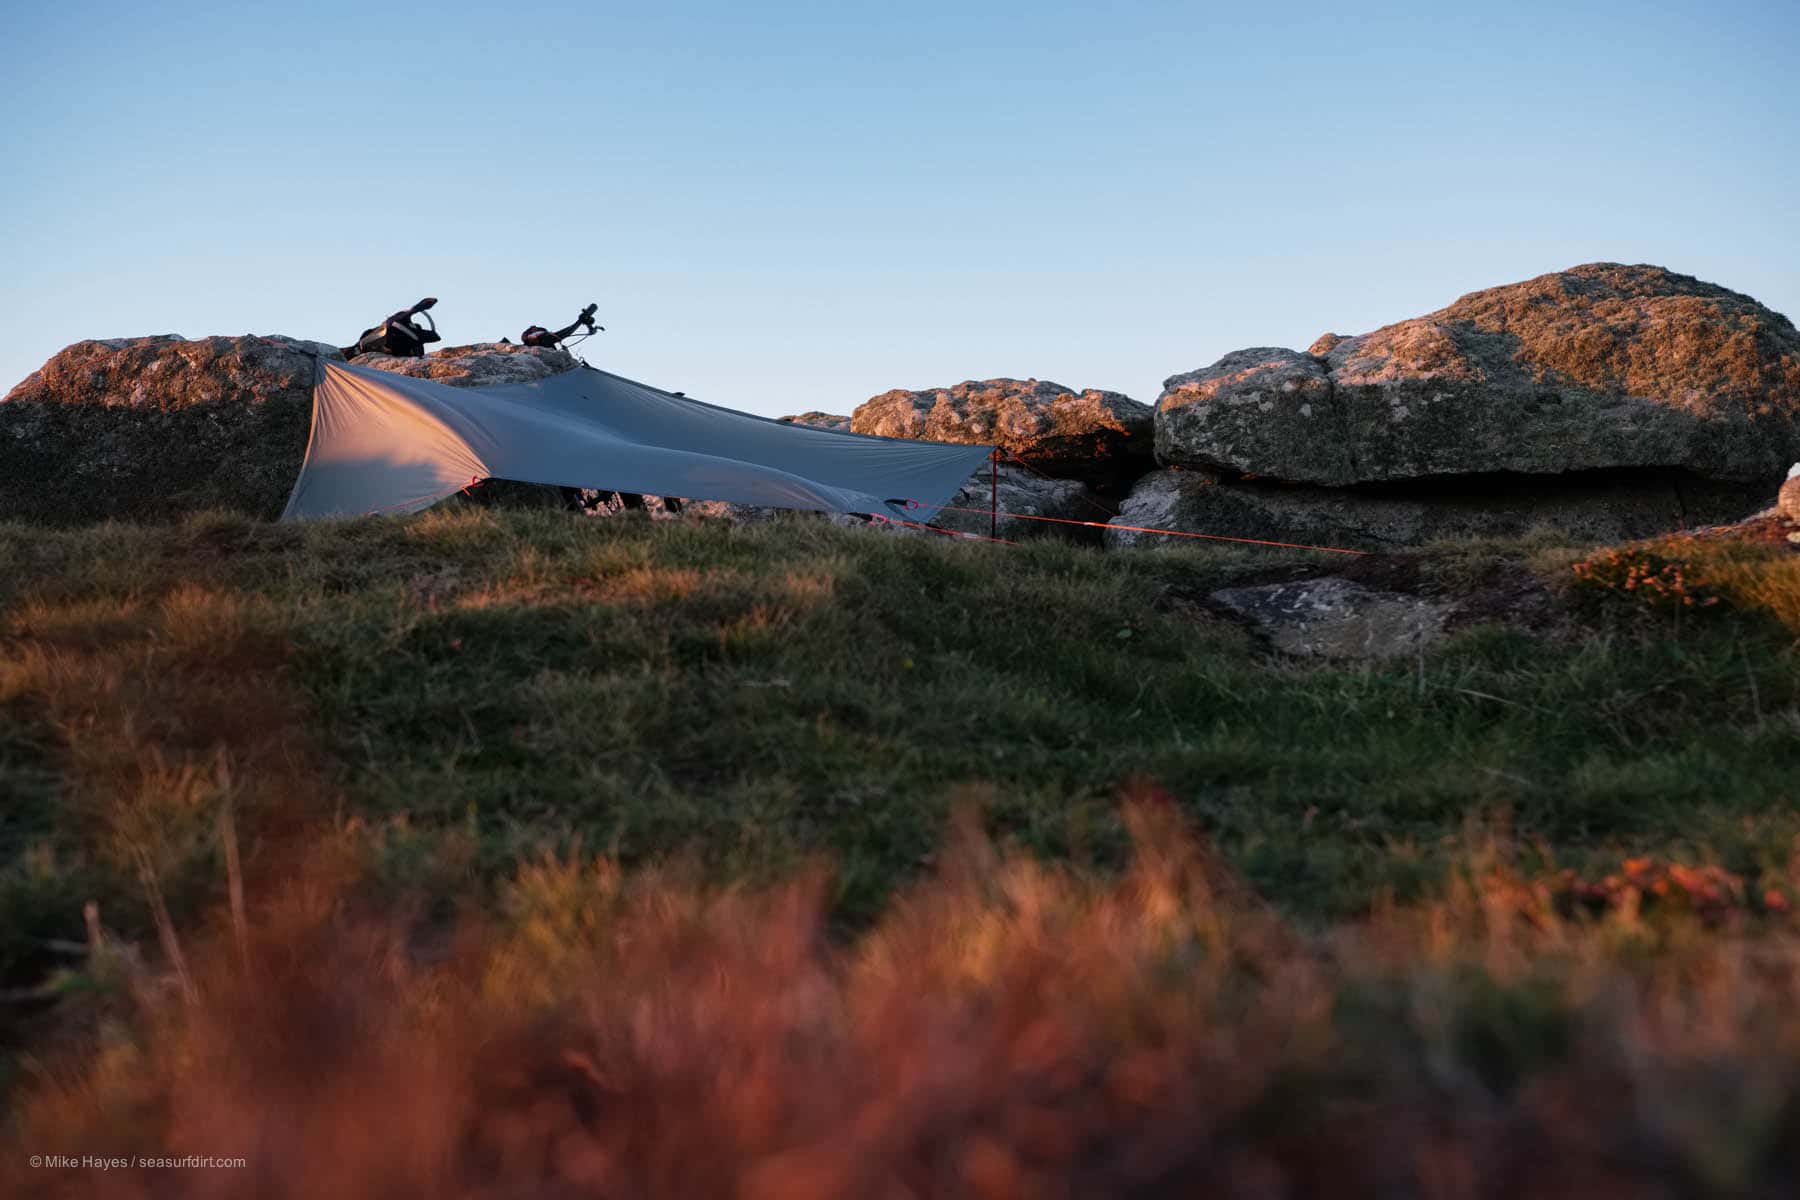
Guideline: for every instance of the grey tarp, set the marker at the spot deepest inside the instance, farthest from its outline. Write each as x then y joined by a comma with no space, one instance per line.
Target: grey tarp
390,443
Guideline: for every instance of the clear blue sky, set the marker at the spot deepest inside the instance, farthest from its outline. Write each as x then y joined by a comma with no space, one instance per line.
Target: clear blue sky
786,206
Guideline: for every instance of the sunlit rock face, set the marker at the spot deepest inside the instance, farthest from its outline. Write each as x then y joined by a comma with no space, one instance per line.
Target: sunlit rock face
1252,410
158,427
1787,500
1599,367
1098,437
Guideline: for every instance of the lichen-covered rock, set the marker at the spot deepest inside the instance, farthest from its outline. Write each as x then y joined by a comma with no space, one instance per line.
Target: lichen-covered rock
1169,500
1096,436
1787,500
157,427
717,510
481,364
1602,366
1602,507
820,420
1337,618
1022,495
1253,408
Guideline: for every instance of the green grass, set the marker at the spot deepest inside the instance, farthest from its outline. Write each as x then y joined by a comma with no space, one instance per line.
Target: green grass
468,688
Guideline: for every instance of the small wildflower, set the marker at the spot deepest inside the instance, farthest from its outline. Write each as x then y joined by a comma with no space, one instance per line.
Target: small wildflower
1649,578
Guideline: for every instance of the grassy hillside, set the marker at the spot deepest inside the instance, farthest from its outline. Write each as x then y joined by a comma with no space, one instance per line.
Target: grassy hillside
445,700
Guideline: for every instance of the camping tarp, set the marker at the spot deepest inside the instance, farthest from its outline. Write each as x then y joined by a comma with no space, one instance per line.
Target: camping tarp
387,443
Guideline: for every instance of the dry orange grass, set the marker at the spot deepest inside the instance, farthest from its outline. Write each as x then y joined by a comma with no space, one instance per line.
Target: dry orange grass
1010,1029
1751,568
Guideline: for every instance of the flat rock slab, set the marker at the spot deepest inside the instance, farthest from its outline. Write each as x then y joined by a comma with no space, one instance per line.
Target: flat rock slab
1336,619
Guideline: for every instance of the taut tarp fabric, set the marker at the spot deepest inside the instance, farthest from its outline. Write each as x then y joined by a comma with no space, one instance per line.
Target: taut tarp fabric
391,443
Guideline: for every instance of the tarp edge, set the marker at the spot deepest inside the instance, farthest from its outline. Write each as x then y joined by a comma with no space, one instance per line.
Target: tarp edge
312,433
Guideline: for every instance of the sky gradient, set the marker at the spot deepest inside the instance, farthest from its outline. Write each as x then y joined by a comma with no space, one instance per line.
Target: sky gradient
785,206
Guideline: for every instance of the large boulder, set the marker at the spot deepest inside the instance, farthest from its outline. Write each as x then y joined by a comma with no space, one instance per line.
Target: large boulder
155,427
1618,508
1599,367
1098,437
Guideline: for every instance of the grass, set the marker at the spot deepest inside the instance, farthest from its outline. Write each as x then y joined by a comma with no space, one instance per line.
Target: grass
447,699
759,694
1006,1028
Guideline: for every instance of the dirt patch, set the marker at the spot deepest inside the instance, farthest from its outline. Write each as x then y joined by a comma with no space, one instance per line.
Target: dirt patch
211,544
1387,572
1505,592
